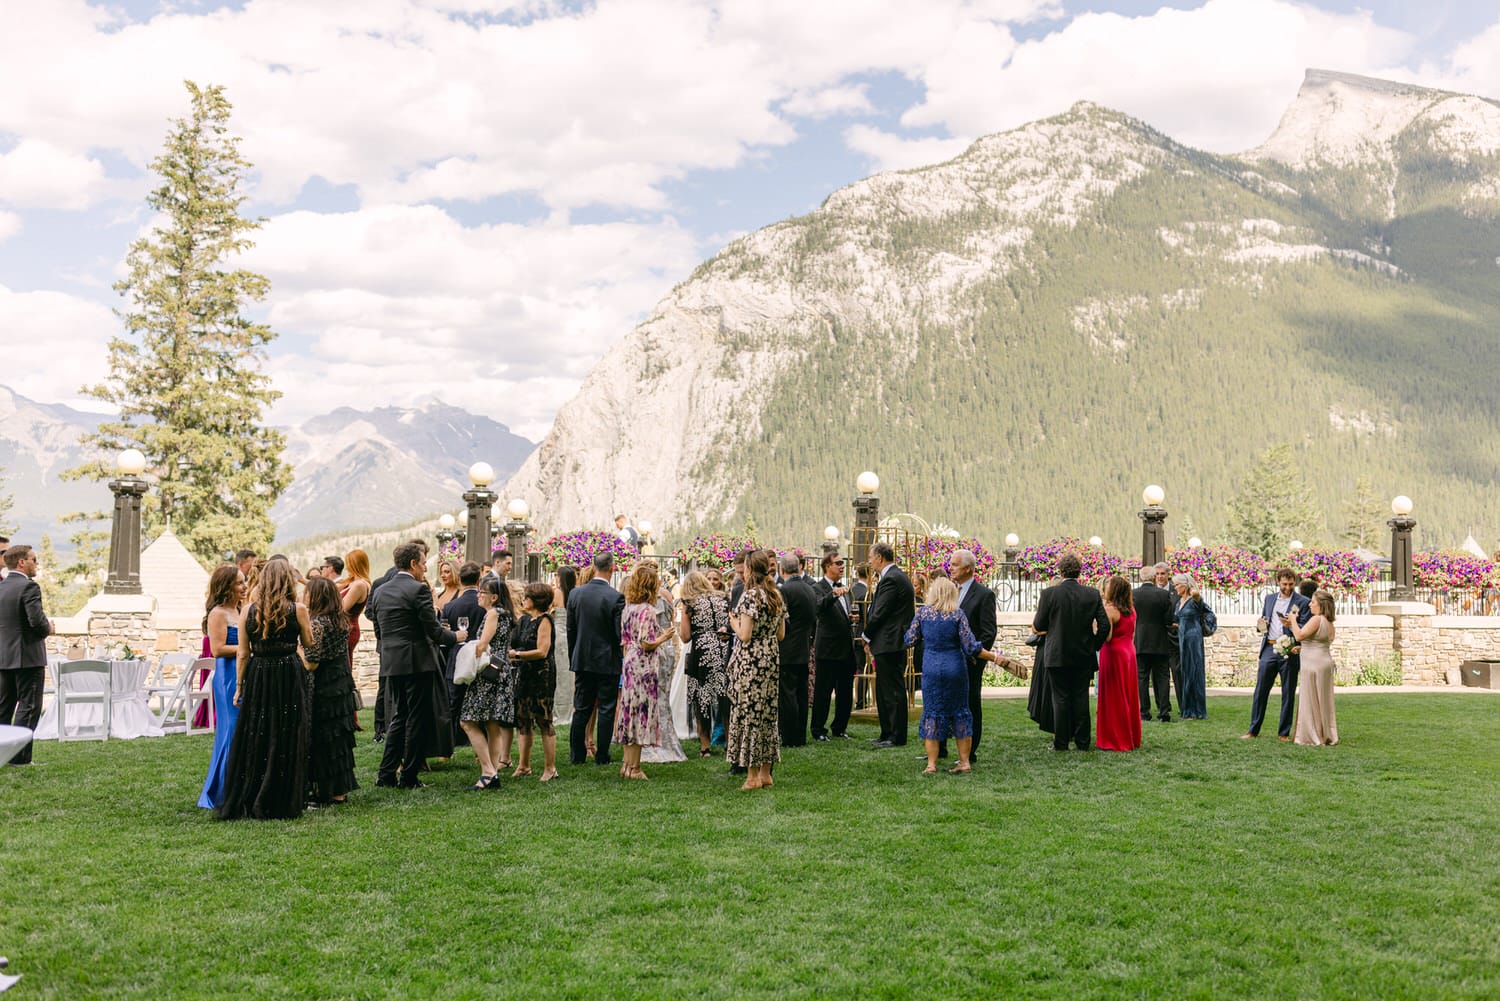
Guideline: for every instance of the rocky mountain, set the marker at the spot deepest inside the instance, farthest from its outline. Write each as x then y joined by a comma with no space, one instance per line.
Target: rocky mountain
353,469
1021,338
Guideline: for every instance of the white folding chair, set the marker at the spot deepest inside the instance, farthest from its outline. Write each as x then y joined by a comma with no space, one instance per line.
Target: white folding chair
157,685
49,685
197,696
81,683
183,700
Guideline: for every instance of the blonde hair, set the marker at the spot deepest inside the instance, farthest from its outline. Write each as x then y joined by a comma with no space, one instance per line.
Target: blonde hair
942,595
694,585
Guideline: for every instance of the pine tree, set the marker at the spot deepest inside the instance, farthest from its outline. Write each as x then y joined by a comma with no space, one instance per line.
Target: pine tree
1364,516
1274,506
186,377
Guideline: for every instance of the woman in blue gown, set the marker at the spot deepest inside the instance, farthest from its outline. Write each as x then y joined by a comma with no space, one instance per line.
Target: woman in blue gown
1192,695
226,597
948,643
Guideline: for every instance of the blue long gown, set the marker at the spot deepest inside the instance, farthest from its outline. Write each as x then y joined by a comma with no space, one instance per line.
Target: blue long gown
226,712
948,644
1192,697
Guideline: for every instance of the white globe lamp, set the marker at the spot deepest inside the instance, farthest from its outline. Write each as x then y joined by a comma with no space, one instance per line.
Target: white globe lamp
1153,495
481,474
131,462
868,482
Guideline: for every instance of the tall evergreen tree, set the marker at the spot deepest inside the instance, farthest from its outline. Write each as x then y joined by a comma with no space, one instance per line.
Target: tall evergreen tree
1274,506
1364,516
187,376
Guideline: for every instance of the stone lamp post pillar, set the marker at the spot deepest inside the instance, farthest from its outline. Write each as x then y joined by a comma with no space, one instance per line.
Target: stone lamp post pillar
478,501
125,530
1153,530
516,530
1402,585
866,517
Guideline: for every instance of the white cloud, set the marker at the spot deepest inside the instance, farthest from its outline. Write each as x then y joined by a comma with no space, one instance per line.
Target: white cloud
888,151
10,225
36,174
1473,67
1217,77
40,329
507,319
828,101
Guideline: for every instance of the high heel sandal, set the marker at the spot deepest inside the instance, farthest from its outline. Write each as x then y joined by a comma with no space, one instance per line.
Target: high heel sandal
485,781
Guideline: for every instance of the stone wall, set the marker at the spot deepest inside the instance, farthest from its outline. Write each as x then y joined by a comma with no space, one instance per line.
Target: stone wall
1429,645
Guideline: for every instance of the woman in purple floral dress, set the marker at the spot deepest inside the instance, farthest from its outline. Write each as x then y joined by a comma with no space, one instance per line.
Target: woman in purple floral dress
637,718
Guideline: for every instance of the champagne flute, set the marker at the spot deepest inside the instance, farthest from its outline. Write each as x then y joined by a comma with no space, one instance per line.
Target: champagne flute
463,624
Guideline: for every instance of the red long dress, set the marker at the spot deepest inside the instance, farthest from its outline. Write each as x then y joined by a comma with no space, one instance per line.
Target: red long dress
1119,691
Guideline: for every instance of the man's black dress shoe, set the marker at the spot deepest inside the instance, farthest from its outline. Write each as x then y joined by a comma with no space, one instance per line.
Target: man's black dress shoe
821,738
887,743
412,785
379,738
843,736
386,784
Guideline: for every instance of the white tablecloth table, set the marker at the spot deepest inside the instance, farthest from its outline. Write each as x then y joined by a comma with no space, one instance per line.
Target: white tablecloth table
130,715
12,739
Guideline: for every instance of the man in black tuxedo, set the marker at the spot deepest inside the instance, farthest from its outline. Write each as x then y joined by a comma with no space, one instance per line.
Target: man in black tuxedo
24,629
891,612
1272,665
465,605
1155,646
833,649
977,602
796,646
1073,619
408,636
594,613
382,706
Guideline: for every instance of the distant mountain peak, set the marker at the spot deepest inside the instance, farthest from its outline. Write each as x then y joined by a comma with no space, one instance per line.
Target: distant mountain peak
1342,119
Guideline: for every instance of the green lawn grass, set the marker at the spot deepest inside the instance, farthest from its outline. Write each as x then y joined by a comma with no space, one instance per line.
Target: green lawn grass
1201,866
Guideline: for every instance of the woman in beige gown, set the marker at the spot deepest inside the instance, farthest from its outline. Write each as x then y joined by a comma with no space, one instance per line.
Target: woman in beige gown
1316,724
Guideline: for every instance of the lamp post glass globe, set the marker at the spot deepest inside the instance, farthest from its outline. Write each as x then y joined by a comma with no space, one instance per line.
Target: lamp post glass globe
1095,541
446,522
1195,543
1012,539
1295,544
481,474
1153,495
868,482
131,462
1401,506
518,509
831,533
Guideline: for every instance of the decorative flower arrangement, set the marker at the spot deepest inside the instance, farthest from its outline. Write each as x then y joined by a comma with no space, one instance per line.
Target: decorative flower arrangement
1451,569
1285,645
579,548
123,651
1222,568
1039,560
716,550
451,550
1336,571
924,554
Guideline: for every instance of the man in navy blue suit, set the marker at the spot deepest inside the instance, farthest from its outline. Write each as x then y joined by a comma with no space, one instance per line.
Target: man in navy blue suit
594,613
1283,601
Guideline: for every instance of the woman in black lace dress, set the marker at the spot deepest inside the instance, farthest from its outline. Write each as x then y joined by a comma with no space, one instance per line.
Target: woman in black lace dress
267,774
704,622
330,764
532,651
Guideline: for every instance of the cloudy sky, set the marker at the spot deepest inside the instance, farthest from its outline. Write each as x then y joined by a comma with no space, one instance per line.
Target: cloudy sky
472,200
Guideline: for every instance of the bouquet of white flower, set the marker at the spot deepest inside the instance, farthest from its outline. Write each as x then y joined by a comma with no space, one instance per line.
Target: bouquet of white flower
1286,646
122,651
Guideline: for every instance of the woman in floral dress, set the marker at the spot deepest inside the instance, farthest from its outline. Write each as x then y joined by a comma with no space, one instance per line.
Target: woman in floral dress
637,717
759,623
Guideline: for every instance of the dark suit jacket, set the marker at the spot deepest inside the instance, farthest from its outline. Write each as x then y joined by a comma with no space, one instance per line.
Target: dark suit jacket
466,605
376,585
834,638
891,612
1300,605
801,617
1076,625
407,630
978,607
1155,609
23,625
594,613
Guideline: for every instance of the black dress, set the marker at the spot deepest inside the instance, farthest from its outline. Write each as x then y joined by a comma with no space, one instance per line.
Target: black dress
330,765
536,680
266,777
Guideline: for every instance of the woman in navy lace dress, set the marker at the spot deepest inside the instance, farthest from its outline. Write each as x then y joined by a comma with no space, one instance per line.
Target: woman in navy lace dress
948,644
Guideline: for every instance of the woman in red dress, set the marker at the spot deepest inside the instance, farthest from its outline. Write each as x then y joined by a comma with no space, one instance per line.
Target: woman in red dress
1119,692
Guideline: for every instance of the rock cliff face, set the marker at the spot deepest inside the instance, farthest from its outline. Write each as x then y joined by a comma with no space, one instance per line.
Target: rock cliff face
1021,337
